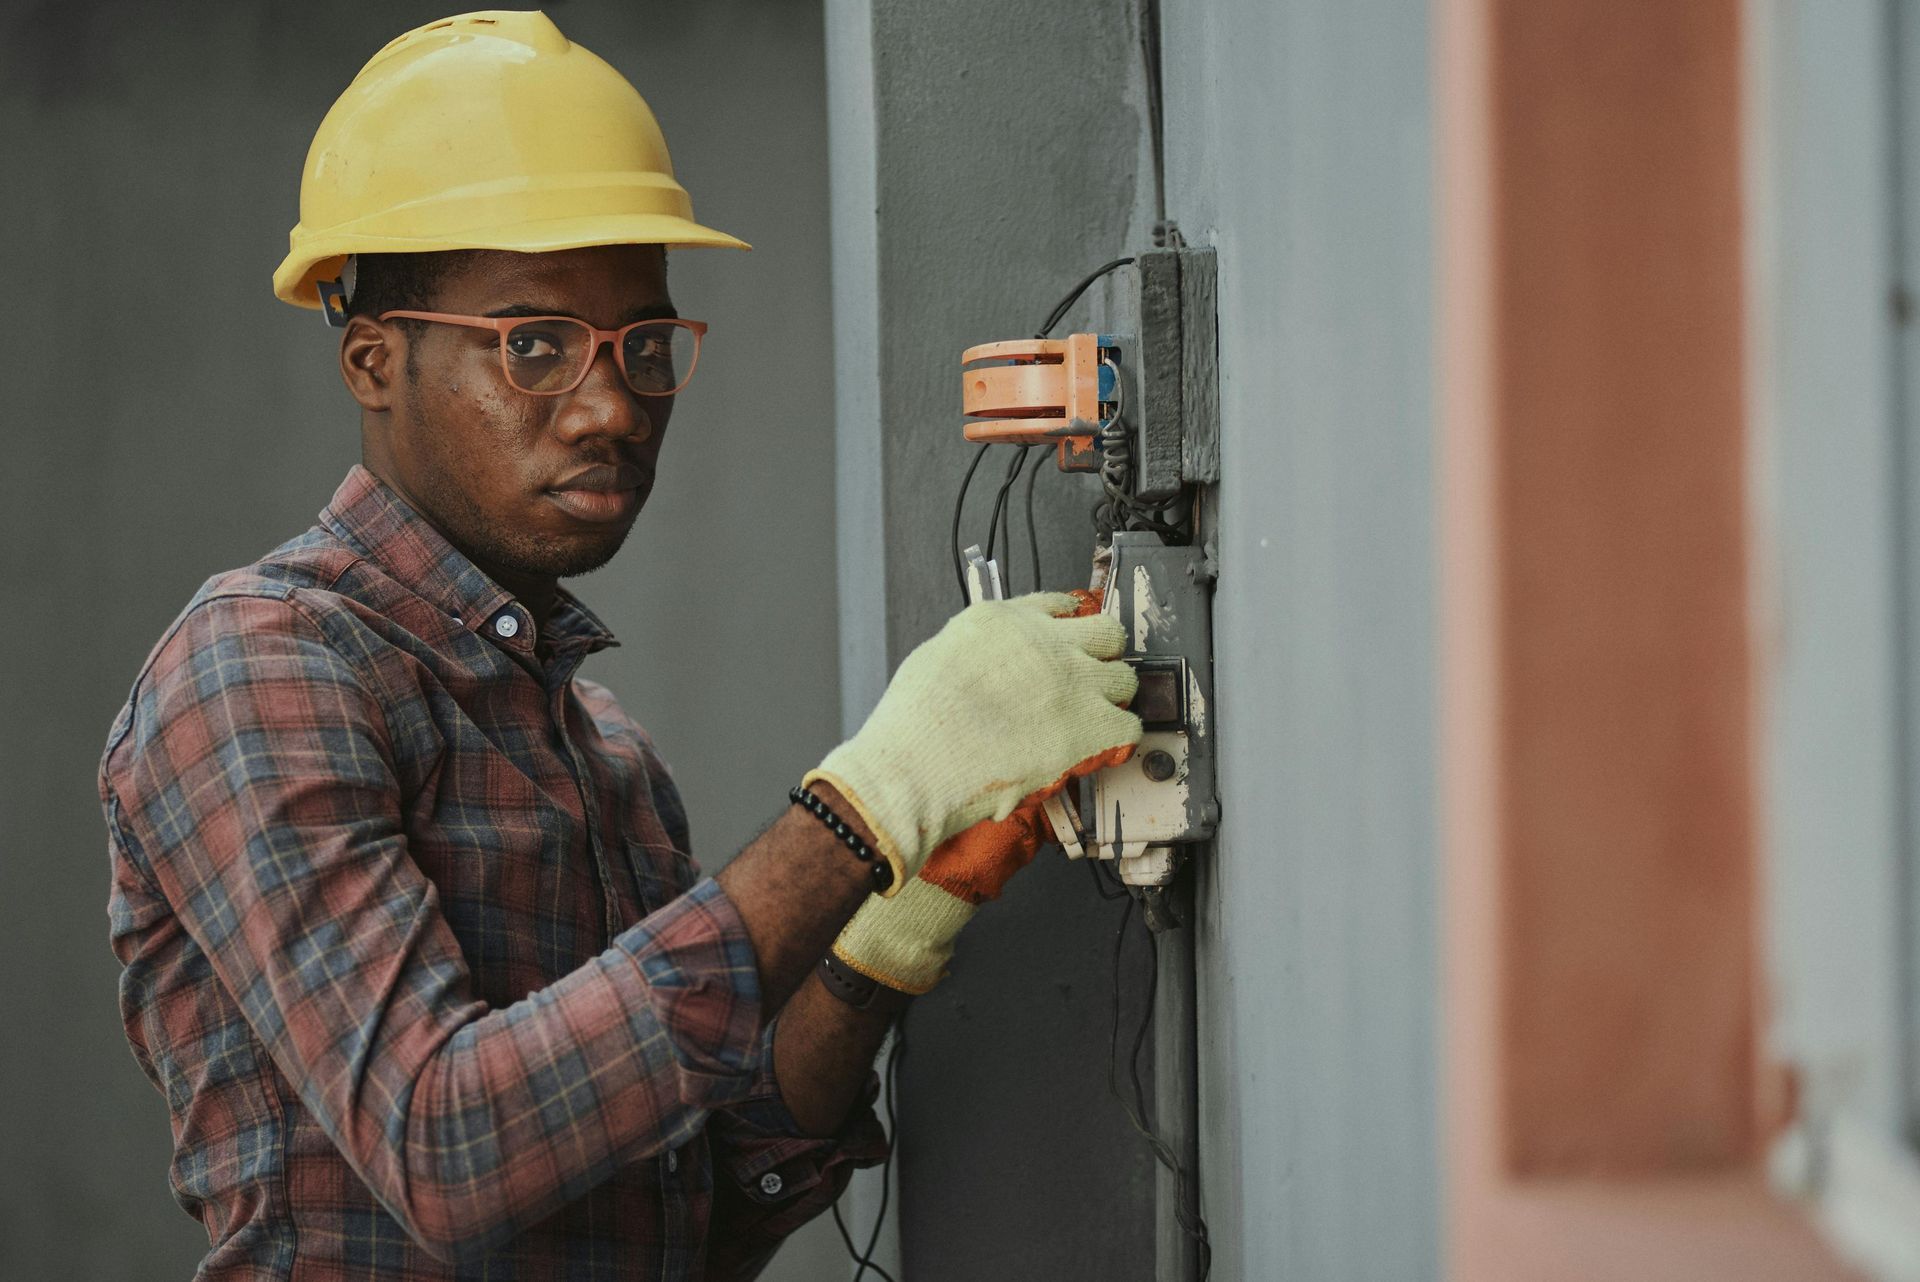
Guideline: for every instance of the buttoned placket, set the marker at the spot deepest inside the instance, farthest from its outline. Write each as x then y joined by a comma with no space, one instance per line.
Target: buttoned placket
558,678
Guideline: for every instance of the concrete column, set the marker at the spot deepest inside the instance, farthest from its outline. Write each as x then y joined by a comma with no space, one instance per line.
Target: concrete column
983,161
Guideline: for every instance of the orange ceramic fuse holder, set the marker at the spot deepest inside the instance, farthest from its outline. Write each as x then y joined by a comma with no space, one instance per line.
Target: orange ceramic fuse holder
1040,391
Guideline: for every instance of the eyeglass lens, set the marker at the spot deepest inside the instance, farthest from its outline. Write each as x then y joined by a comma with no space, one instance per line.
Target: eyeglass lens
549,355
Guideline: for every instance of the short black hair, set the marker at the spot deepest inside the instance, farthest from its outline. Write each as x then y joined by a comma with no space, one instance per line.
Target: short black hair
399,282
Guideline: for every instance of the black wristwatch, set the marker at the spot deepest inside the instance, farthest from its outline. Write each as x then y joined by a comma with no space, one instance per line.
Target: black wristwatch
862,992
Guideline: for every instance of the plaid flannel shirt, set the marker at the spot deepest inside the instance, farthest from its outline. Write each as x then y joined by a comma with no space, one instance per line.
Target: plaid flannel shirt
413,945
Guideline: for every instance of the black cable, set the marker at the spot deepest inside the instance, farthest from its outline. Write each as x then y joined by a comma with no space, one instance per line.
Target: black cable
1099,886
1185,1214
890,1079
1113,1034
1033,531
1006,518
893,1127
1146,1023
1149,20
1018,461
1059,311
847,1239
959,502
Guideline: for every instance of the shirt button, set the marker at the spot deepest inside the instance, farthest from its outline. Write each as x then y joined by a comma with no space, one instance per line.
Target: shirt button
673,1161
771,1184
507,625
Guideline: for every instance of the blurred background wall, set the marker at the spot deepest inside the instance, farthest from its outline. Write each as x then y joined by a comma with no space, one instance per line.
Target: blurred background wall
1565,916
165,418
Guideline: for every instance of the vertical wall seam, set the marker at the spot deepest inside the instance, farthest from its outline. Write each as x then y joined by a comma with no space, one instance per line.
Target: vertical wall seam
1899,454
859,520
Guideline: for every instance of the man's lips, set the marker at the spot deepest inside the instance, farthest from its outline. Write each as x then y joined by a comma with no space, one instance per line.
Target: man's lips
604,492
605,477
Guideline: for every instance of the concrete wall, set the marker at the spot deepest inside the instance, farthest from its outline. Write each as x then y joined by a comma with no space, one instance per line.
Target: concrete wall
165,418
983,161
1299,144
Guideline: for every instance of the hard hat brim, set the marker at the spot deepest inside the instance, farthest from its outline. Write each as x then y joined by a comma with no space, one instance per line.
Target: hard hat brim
323,258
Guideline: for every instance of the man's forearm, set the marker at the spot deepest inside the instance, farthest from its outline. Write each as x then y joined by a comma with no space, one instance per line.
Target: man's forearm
823,1049
794,887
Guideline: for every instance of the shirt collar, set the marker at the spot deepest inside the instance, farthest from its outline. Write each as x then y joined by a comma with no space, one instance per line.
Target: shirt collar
377,523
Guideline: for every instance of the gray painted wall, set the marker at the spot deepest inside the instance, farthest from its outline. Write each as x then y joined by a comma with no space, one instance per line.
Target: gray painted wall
1827,386
162,162
1299,144
983,162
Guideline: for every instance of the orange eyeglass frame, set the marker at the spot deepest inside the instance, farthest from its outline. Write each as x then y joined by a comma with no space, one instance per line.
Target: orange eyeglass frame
601,337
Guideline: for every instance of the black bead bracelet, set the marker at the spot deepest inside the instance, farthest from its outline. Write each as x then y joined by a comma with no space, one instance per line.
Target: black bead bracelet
882,870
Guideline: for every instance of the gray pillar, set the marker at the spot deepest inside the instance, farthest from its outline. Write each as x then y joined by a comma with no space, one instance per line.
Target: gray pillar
983,160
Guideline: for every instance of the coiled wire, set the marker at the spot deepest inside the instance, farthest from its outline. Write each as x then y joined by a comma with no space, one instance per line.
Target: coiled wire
1119,509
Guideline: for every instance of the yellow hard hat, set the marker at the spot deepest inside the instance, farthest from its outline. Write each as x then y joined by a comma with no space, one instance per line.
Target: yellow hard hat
484,131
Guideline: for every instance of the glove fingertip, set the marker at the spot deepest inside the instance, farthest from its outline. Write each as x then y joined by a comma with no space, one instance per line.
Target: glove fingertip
1058,604
1103,636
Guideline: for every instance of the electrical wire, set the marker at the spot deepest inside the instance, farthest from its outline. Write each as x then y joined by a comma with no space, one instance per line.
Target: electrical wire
959,502
853,1251
1185,1214
894,1056
890,1079
1061,308
1000,504
1149,24
1033,531
1100,888
1006,517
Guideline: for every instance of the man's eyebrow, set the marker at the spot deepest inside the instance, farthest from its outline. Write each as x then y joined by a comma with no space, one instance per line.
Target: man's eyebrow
650,311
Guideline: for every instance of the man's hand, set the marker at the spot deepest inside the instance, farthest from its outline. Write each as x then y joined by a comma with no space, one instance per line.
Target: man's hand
905,941
1002,702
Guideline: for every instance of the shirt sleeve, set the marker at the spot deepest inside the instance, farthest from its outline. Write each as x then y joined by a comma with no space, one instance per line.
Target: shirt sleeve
256,785
770,1178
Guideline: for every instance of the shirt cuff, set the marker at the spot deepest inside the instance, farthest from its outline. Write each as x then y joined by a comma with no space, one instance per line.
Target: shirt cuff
758,1138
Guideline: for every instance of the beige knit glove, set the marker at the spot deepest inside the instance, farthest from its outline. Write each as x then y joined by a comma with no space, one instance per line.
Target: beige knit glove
1002,701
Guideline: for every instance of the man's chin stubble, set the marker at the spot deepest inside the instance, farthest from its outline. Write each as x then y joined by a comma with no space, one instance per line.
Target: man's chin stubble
550,560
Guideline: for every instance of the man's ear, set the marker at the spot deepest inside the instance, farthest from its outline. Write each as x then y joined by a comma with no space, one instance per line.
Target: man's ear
371,358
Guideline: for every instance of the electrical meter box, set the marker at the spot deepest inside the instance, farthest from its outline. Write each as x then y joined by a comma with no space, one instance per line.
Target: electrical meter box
1164,796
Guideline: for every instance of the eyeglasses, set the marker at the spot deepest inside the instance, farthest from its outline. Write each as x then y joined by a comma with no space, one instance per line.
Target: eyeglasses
550,355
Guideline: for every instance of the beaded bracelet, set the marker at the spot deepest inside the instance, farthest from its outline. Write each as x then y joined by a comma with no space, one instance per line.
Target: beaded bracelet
882,870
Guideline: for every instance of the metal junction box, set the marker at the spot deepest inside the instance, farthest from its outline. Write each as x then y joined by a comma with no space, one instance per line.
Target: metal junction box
1164,797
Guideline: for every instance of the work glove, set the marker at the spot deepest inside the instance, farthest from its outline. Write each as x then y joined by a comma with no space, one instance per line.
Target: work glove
906,941
1003,701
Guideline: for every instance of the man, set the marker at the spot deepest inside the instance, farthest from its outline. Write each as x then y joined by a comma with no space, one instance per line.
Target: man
413,945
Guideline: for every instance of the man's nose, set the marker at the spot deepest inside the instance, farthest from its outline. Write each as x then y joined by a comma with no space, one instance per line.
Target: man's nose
603,404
